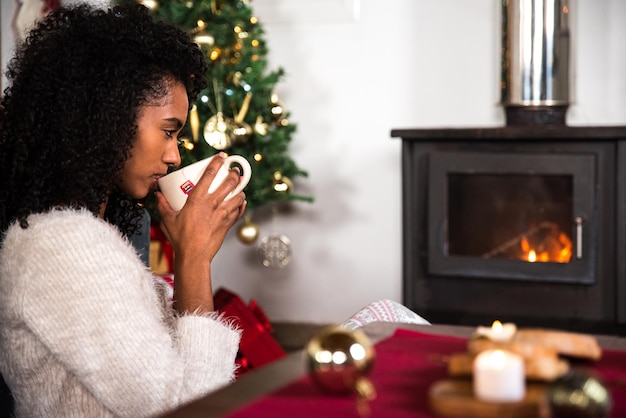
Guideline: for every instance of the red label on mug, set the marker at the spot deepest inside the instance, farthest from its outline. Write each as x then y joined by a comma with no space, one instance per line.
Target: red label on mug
187,187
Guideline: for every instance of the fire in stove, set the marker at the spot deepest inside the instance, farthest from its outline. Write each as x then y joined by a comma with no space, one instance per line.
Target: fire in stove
543,243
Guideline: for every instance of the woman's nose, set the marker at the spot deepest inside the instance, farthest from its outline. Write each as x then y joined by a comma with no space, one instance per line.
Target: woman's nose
172,154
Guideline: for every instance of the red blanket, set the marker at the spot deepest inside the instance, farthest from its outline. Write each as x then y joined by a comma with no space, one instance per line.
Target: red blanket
406,365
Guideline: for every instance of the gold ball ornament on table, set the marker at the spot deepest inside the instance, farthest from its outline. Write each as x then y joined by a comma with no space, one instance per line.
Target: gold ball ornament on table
339,361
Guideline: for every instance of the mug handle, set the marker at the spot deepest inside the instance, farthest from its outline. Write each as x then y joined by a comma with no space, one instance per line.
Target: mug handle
245,175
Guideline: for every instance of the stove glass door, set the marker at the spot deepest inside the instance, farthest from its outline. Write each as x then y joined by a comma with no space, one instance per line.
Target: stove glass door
521,216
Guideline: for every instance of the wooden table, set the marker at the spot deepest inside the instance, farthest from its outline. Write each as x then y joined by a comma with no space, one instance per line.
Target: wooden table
268,379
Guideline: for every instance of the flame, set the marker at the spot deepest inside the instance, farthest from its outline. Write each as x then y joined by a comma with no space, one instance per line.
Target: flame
554,247
525,245
496,326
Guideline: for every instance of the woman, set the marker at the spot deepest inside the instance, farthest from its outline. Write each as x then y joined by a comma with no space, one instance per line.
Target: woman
90,121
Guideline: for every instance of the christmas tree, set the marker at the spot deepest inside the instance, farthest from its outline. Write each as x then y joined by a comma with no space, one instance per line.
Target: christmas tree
240,112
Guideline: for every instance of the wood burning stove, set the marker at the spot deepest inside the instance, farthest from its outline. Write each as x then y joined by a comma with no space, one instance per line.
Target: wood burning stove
519,223
523,223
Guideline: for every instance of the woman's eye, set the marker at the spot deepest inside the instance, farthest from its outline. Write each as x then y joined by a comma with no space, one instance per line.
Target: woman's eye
169,133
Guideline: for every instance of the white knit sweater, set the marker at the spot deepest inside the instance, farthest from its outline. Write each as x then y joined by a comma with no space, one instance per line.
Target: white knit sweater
85,330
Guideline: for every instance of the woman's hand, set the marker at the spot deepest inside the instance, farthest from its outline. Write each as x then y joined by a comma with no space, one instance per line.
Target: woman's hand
206,218
197,232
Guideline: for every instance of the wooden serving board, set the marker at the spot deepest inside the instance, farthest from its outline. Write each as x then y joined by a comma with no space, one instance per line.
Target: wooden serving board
454,398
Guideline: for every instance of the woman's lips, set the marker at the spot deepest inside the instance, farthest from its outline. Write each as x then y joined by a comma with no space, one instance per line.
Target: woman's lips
155,182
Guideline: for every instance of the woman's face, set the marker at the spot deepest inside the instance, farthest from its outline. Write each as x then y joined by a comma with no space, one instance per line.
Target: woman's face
156,147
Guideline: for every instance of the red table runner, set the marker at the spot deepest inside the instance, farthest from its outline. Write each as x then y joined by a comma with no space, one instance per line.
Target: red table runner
406,364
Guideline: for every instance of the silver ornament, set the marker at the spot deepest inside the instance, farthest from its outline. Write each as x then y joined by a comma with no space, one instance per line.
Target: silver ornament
275,251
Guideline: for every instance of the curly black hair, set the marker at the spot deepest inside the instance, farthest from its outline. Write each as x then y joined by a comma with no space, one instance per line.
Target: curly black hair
68,117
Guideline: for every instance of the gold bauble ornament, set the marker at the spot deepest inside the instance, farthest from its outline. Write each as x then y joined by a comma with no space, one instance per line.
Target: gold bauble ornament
248,231
153,5
260,127
277,111
282,184
217,131
339,361
578,394
241,132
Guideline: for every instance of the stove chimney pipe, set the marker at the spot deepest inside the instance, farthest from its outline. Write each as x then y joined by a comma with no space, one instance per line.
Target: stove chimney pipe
535,61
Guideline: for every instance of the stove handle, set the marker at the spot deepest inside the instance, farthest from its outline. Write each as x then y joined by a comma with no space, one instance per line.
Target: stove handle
579,237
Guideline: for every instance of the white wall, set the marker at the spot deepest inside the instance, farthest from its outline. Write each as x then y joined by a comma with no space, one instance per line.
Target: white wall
350,81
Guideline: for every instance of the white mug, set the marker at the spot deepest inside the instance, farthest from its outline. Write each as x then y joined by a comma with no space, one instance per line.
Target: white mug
178,184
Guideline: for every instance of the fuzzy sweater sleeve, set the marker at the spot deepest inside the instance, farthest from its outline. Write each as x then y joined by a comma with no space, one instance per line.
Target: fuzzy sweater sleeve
85,296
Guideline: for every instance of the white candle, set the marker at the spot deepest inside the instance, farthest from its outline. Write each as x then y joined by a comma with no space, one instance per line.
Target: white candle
499,376
498,332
